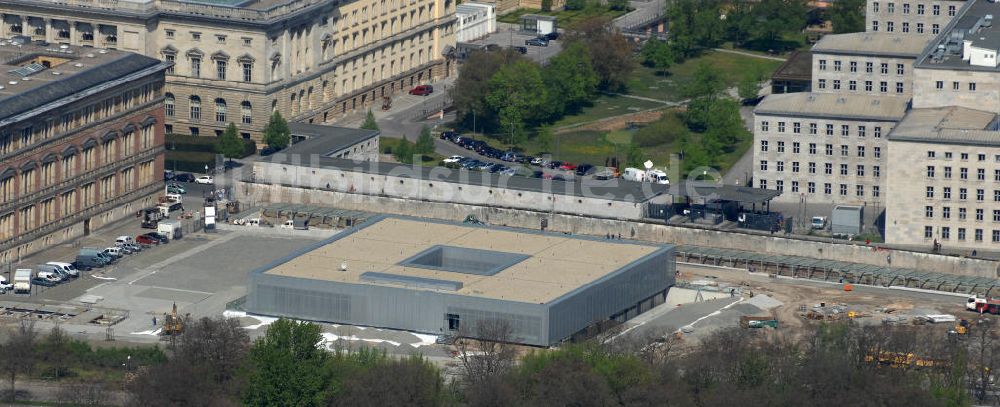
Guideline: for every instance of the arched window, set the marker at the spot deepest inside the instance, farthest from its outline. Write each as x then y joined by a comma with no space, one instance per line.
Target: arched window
168,105
247,112
195,108
220,110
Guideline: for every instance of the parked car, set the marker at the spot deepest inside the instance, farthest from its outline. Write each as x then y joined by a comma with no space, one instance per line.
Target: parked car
584,169
538,42
266,151
452,159
521,49
175,189
567,166
552,36
448,135
69,268
422,90
5,285
168,175
80,266
205,180
537,161
554,164
146,240
184,177
44,282
158,237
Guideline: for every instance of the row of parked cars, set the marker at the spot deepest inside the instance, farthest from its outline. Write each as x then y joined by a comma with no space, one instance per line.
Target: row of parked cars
54,273
169,175
479,146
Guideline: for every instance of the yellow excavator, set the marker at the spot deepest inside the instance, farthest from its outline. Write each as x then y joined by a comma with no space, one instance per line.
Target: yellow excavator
961,329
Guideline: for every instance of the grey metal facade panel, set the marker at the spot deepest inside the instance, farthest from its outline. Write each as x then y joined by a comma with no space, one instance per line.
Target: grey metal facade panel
381,306
617,292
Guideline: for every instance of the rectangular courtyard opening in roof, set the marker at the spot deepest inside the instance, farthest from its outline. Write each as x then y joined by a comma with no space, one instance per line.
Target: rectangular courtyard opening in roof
463,260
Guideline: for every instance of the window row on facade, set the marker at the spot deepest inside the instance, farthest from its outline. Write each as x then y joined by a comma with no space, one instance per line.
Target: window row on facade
960,213
859,170
34,175
27,134
962,173
918,9
869,67
68,203
868,86
826,188
828,129
944,233
963,194
828,149
890,26
221,112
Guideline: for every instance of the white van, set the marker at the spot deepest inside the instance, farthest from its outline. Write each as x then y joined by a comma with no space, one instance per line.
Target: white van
51,272
114,251
657,177
66,267
634,174
120,240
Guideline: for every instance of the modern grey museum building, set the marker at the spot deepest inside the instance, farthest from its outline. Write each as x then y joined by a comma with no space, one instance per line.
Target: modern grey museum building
438,277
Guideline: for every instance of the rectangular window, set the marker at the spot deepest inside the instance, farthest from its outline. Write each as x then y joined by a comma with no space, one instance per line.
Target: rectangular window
836,84
936,10
928,232
795,166
963,193
876,192
795,147
827,188
980,194
899,87
861,151
836,66
812,168
795,186
981,174
930,192
883,86
935,29
843,189
963,173
822,83
852,85
930,171
843,150
845,130
878,132
906,8
781,127
860,170
869,67
763,165
946,212
947,172
996,236
946,193
868,86
961,213
939,85
906,27
951,11
972,86
861,131
876,171
920,9
859,190
829,130
945,232
196,67
828,168
955,85
763,145
829,149
884,68
781,146
854,66
811,187
822,64
812,148
920,28
763,126
979,215
796,127
843,169
961,233
220,70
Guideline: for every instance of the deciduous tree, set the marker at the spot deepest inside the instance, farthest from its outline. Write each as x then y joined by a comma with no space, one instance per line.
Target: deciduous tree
570,79
425,142
848,16
277,133
230,145
286,367
517,94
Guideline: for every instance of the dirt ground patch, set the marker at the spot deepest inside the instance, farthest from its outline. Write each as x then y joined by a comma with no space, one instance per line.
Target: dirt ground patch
617,122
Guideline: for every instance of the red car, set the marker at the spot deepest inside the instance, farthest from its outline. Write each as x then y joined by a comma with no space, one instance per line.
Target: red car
567,166
146,240
422,90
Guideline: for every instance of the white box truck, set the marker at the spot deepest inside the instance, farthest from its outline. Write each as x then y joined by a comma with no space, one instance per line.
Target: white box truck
170,228
22,281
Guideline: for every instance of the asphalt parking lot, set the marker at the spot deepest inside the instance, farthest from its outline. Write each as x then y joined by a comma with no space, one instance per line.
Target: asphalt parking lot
506,38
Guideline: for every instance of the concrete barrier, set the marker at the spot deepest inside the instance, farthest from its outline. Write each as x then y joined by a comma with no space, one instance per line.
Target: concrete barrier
654,232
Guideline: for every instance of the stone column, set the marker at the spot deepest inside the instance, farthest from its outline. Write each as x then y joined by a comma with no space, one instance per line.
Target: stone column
72,32
49,37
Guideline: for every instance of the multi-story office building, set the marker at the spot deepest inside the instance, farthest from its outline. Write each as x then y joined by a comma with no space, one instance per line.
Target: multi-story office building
961,68
238,60
823,147
866,63
944,180
910,16
944,184
81,141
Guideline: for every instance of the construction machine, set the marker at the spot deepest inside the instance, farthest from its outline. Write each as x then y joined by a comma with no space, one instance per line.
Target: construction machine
173,324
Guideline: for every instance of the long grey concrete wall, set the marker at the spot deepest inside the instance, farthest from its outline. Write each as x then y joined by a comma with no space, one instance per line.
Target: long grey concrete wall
258,194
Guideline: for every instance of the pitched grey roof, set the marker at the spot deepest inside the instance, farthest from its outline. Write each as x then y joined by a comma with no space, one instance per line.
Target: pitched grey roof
831,105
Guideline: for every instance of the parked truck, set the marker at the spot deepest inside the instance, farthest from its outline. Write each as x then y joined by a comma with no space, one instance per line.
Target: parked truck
22,281
171,229
983,305
151,217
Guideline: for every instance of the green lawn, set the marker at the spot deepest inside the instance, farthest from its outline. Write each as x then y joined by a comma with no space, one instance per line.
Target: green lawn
605,106
564,18
648,82
388,144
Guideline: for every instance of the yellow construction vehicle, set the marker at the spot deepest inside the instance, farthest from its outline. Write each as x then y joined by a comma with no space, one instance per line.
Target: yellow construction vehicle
173,324
961,329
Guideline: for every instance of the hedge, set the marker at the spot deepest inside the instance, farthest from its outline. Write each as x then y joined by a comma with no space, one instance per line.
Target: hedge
202,144
189,161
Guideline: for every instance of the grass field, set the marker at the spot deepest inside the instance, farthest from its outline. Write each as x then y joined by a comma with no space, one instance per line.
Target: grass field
648,82
388,144
605,106
564,18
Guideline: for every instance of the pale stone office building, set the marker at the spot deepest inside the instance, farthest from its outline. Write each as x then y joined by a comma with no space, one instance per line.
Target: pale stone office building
237,61
866,63
944,182
910,16
824,147
944,185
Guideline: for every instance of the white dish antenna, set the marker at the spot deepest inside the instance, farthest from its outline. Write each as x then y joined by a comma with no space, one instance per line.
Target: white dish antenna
648,164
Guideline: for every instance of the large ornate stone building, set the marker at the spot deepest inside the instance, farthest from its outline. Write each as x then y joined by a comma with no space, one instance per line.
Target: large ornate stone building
237,61
81,141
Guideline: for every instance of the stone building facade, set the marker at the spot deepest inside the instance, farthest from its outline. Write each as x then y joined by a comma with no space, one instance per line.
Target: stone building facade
311,60
866,63
945,185
910,16
81,142
824,148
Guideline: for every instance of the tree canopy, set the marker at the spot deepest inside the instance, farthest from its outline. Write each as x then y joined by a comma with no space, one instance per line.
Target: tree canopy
848,16
230,144
277,134
370,123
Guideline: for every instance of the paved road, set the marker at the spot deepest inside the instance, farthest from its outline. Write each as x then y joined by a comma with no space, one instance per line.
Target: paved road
750,54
